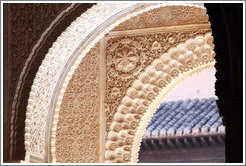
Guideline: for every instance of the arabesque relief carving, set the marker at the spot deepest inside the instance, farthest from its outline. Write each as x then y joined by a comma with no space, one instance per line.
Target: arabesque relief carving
186,56
125,59
51,69
166,16
78,128
127,56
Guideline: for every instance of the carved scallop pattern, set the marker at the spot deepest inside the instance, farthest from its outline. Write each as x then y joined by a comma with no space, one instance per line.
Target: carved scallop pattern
137,52
144,90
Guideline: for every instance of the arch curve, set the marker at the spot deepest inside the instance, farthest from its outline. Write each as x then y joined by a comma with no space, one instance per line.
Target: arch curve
40,99
68,52
148,91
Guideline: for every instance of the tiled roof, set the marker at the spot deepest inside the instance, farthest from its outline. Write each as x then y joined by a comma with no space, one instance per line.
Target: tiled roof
189,117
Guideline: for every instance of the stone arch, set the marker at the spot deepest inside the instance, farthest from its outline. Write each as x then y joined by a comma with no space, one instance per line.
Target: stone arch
40,99
146,93
63,59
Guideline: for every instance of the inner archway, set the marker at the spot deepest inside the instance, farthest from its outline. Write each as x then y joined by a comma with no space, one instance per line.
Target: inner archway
187,122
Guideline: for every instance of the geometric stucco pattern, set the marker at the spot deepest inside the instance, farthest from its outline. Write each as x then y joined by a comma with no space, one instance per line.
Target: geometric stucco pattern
128,55
78,128
184,57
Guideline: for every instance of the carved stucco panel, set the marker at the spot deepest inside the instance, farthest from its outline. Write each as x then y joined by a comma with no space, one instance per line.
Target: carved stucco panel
40,100
128,55
77,133
166,16
190,56
78,128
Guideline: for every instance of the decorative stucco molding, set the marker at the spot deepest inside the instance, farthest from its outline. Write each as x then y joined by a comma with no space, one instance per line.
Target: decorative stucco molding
78,61
39,102
146,93
152,107
128,55
58,68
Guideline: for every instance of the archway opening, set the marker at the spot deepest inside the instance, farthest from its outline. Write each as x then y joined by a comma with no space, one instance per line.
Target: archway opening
186,127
